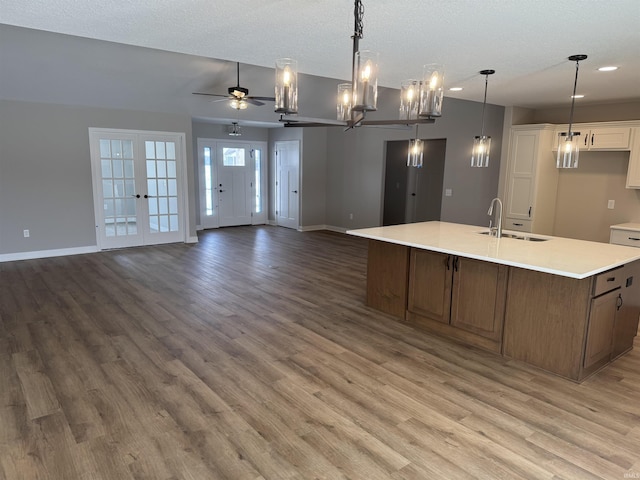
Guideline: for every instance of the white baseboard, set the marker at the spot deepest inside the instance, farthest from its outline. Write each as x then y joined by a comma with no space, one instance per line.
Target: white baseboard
311,228
60,252
192,239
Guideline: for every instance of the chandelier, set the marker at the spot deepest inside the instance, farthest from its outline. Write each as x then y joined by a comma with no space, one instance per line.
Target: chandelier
420,103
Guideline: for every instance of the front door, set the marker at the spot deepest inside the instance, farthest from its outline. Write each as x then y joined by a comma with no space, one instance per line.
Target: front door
138,187
233,183
287,183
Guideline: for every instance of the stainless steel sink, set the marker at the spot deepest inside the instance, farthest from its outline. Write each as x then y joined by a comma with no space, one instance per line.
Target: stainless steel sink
528,238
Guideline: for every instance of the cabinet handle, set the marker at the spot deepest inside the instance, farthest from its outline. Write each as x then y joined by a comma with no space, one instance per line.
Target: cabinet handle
634,238
517,224
448,262
619,302
611,279
592,139
529,212
586,137
456,262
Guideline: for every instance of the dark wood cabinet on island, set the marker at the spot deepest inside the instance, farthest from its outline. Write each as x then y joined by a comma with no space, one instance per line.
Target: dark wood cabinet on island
565,325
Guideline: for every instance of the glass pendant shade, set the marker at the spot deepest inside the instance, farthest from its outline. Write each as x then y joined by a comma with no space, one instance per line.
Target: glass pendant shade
416,151
568,150
481,151
432,91
365,75
409,99
344,102
286,86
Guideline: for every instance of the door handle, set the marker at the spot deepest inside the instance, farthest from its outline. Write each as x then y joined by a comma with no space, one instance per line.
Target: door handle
136,196
619,302
294,191
149,196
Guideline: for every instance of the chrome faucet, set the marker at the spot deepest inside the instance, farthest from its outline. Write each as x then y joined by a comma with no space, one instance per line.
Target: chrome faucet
497,229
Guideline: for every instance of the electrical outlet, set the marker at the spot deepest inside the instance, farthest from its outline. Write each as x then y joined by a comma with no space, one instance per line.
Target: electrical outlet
25,233
611,204
448,192
351,216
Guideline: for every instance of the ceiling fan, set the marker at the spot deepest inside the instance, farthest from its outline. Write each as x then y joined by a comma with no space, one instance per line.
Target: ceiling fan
239,96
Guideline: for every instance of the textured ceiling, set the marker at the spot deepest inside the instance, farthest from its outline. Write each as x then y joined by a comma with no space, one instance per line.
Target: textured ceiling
527,42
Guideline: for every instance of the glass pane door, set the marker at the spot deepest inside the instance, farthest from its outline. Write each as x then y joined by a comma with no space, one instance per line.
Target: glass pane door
137,187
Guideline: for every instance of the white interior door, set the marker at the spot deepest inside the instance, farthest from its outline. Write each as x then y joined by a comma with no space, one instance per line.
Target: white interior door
287,183
138,187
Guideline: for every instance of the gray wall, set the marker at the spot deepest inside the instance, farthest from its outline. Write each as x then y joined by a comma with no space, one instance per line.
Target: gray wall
45,171
356,165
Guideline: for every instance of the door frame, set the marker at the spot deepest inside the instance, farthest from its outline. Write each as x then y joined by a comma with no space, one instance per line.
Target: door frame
277,186
215,144
181,166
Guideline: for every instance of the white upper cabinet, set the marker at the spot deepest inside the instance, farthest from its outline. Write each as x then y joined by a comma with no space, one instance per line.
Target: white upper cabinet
609,136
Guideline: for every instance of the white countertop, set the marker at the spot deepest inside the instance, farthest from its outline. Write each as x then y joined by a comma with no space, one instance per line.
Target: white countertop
632,227
559,256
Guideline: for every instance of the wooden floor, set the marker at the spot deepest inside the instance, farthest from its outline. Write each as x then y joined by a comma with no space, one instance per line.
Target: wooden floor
251,355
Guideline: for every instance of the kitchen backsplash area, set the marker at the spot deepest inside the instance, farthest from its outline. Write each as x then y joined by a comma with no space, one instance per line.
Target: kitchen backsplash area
585,195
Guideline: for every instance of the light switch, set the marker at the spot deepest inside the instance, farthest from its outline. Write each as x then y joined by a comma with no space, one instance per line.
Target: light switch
447,192
611,204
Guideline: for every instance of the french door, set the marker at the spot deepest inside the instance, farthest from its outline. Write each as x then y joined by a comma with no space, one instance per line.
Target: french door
233,183
138,183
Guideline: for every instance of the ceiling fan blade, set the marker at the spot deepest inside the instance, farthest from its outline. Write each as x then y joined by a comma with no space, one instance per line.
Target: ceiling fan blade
266,99
210,94
253,101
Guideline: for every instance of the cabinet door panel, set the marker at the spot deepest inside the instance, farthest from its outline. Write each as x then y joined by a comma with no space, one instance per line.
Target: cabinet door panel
600,331
387,272
478,297
430,284
609,138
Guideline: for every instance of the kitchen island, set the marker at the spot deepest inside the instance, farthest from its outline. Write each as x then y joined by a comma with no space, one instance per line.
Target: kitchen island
567,306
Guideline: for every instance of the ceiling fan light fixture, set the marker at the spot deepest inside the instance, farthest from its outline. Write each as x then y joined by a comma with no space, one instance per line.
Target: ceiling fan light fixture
482,143
568,149
238,104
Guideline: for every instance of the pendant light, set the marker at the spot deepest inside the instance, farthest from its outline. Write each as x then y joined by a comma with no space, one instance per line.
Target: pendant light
568,149
416,150
234,129
482,144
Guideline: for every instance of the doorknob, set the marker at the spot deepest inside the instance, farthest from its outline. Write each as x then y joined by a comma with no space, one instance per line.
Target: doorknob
137,196
294,191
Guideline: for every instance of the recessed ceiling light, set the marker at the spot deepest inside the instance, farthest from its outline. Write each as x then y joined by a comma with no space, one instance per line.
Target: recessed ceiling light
607,69
577,96
455,89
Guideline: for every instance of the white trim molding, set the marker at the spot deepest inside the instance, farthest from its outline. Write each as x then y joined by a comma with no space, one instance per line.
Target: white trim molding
60,252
